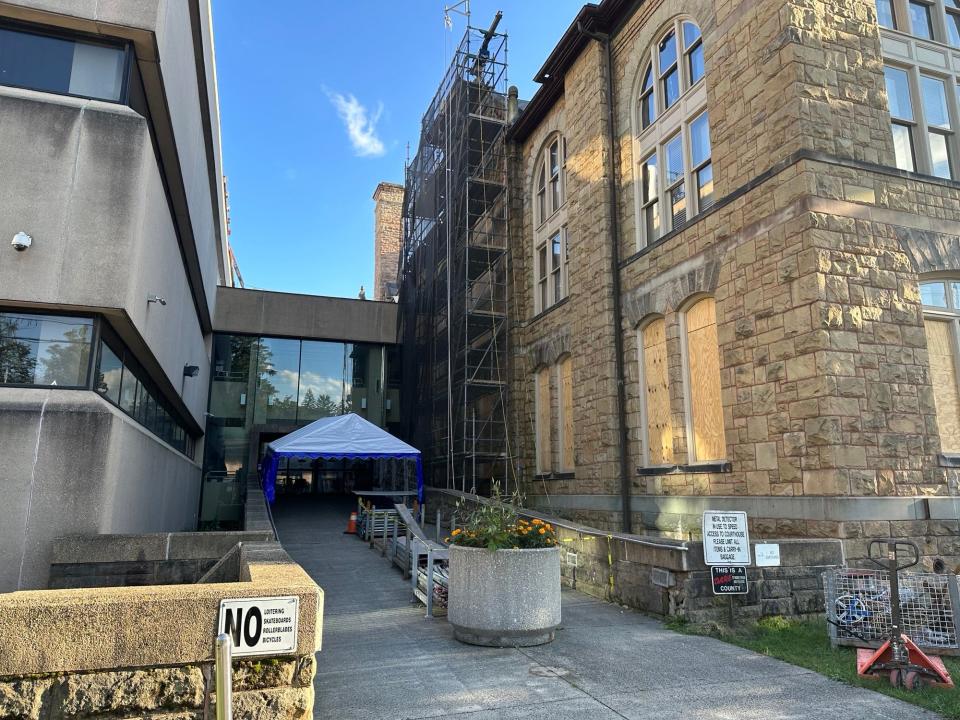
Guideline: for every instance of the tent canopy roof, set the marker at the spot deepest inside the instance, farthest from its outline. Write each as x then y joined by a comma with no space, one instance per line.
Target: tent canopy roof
342,436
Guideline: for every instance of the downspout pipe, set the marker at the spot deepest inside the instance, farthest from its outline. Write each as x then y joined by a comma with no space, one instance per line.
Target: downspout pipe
625,476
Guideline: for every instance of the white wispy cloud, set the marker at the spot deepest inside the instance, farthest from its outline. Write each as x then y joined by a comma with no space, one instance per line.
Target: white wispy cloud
360,124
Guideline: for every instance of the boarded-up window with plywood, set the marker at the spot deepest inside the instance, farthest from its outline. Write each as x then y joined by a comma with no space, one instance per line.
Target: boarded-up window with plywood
656,394
941,347
565,375
703,382
544,461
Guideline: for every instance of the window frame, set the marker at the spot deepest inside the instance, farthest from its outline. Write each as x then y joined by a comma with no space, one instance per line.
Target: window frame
92,355
77,36
651,140
550,283
949,314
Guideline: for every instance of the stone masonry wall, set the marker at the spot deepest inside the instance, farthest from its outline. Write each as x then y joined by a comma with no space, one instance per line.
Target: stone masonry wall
387,235
272,689
813,253
669,578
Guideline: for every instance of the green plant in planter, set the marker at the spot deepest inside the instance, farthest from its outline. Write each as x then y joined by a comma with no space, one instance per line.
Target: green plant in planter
497,526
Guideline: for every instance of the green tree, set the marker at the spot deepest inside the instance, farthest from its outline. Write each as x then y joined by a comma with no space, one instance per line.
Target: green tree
17,363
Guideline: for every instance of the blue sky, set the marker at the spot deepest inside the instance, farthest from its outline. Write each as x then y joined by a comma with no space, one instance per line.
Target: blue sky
291,79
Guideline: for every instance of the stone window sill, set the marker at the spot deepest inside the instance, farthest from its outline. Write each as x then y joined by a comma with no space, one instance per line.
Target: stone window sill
949,460
721,466
556,476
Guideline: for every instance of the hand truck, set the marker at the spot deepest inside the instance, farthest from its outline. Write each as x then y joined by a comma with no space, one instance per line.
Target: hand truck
904,664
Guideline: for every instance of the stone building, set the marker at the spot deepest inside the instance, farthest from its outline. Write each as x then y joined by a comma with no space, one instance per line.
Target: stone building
736,282
387,235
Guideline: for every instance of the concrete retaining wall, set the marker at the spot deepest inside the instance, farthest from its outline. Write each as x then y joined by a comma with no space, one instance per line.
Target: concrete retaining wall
147,652
154,559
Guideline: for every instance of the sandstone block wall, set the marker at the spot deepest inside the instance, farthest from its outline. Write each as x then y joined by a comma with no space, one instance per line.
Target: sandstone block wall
271,688
813,253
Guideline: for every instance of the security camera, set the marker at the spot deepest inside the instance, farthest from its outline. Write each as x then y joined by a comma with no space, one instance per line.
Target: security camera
156,299
21,241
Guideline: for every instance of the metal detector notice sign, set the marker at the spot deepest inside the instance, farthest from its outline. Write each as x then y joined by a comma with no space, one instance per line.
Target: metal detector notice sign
260,626
730,580
725,538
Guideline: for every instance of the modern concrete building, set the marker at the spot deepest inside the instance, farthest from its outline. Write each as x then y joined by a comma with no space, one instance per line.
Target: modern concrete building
734,251
109,144
116,328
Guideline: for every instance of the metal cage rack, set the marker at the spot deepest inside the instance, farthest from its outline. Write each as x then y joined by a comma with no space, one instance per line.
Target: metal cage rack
858,608
454,272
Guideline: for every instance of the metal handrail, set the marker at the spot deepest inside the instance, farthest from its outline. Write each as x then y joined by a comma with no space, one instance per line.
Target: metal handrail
224,677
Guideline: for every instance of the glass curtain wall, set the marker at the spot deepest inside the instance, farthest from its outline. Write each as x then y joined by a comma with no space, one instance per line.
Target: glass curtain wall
269,386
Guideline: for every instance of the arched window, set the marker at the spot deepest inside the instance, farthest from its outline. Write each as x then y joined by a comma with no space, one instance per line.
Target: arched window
705,435
550,251
941,320
672,143
655,395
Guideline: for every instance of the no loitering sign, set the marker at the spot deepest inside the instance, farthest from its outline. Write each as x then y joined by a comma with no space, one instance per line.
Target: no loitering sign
726,540
260,626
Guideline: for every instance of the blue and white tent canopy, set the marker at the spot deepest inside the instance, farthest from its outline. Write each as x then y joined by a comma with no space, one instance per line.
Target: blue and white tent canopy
345,436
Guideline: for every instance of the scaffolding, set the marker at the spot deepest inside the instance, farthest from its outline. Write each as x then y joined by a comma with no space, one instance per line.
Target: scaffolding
453,274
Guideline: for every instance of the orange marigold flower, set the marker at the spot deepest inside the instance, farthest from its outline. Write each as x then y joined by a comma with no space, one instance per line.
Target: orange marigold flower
457,531
542,531
537,521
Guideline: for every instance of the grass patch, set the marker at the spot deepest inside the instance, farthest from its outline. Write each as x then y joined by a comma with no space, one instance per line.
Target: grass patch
806,643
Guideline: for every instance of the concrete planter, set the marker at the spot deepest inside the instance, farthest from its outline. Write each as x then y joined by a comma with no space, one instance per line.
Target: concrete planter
504,598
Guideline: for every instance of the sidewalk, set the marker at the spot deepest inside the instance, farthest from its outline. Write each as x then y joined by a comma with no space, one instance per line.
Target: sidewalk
382,660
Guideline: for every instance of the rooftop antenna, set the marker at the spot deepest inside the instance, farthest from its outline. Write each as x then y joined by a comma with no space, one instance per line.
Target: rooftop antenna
461,8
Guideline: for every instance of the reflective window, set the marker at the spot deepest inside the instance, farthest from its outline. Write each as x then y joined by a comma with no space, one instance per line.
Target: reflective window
323,373
549,247
921,19
278,379
122,381
109,374
675,157
903,147
898,93
885,14
44,349
60,65
648,110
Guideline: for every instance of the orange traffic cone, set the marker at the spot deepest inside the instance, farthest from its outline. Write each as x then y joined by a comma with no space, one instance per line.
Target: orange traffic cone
351,524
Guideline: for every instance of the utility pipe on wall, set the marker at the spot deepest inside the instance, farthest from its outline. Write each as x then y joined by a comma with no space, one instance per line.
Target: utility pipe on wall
604,40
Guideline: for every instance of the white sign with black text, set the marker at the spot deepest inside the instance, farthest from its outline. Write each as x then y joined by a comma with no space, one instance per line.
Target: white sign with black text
260,626
768,554
725,538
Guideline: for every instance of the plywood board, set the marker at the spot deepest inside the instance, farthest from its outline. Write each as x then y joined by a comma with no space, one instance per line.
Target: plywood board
657,394
943,377
703,359
544,463
566,413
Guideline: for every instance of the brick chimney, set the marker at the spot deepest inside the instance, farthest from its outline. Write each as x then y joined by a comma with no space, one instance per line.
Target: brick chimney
387,237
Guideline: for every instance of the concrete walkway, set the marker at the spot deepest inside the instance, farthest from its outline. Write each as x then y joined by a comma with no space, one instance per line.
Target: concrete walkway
382,660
